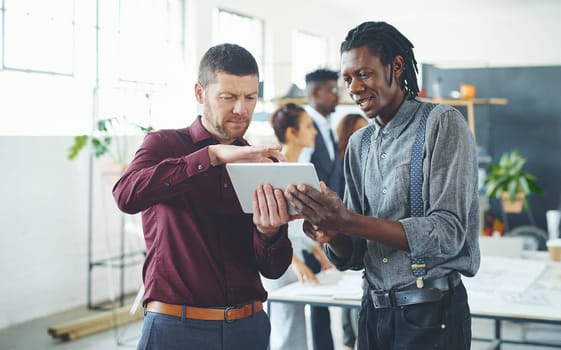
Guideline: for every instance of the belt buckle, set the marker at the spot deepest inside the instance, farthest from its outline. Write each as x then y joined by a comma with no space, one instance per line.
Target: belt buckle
226,313
235,307
381,299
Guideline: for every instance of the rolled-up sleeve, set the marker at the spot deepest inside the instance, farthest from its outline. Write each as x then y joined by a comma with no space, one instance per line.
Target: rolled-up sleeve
353,189
450,168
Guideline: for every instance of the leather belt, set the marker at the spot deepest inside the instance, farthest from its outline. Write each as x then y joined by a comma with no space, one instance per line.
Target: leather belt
433,290
229,313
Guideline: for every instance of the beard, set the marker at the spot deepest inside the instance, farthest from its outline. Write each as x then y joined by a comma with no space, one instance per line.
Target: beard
225,132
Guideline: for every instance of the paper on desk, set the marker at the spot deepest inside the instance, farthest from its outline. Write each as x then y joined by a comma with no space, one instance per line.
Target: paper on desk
504,275
535,299
332,283
350,286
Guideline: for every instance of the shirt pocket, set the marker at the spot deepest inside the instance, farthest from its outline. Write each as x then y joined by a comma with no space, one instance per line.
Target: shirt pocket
396,187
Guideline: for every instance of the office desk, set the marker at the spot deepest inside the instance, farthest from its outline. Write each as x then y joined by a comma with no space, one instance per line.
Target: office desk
533,295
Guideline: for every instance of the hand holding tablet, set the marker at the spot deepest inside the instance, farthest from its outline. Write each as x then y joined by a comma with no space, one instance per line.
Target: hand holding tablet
246,177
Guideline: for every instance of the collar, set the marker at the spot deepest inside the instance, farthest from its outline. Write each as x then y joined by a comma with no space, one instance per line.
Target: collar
402,118
318,118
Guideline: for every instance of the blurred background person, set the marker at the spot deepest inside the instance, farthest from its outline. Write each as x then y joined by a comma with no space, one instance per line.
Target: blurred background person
345,128
295,130
323,97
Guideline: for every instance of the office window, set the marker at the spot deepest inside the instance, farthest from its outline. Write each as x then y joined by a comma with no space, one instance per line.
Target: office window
38,36
141,60
229,27
309,52
149,40
65,62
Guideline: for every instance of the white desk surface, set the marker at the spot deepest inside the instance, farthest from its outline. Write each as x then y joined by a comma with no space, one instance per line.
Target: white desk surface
527,288
335,287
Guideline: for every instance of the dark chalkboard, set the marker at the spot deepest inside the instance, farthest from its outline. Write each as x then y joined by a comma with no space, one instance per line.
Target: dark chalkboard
530,122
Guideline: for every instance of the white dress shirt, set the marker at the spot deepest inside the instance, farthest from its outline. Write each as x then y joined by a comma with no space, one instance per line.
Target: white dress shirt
324,126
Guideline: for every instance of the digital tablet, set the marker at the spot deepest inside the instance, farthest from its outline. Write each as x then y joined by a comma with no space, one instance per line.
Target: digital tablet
246,177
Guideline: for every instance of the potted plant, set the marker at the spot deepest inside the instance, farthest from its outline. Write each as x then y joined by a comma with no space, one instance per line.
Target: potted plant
507,181
109,138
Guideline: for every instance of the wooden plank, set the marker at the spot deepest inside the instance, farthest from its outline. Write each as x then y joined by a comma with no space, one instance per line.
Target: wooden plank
101,325
95,323
466,102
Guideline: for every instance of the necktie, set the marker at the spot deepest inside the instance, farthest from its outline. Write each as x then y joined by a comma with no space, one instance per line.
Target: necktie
332,137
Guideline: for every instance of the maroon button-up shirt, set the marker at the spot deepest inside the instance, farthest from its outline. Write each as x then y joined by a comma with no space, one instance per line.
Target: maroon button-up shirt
202,250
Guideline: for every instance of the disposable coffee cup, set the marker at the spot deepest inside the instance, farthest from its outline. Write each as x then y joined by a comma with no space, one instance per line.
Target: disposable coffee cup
553,219
554,248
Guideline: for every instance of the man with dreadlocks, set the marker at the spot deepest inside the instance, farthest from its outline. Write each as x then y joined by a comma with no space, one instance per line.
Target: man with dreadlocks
410,213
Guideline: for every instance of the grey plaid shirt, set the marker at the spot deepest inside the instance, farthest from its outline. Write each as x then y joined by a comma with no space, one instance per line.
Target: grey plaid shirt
447,236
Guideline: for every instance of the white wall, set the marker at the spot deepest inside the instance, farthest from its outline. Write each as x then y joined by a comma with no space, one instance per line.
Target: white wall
479,32
39,231
43,218
43,211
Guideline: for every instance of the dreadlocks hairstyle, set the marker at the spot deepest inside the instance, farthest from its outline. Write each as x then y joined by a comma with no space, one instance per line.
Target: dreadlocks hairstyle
386,42
226,58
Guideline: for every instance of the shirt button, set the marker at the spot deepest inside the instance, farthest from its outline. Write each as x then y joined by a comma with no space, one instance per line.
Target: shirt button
384,156
384,191
225,185
385,260
166,184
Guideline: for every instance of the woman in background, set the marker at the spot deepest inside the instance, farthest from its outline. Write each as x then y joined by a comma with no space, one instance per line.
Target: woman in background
295,130
346,127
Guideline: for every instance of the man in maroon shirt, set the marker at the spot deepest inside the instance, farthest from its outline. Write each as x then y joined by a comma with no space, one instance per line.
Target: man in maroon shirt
204,255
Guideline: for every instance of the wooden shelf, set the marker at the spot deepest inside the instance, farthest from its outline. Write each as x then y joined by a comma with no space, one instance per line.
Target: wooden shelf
297,100
303,100
469,104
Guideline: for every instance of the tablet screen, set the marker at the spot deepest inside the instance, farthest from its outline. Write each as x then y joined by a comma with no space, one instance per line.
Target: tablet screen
246,177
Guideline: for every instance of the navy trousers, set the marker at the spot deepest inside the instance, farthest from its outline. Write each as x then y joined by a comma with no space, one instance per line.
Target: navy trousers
441,325
163,332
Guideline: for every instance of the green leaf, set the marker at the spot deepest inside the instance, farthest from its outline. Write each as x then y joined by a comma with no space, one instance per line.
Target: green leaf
145,129
524,185
100,148
79,143
102,124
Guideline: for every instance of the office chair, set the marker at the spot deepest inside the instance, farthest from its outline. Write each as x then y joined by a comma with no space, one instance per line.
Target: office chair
534,237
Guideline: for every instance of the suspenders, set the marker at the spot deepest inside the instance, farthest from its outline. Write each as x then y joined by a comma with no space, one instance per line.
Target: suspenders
418,265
